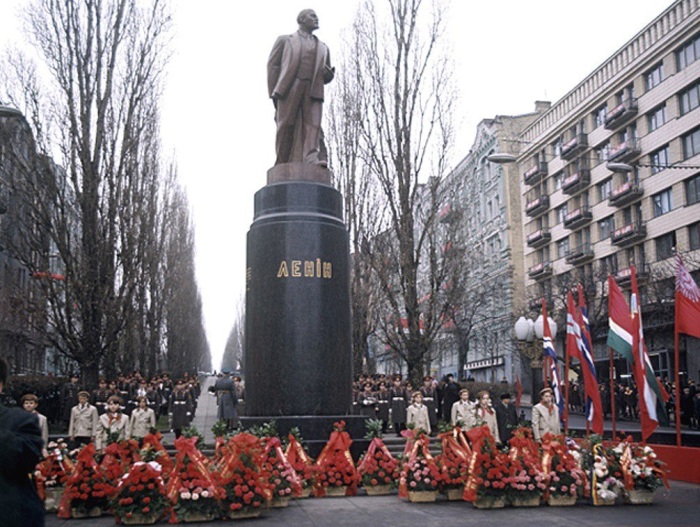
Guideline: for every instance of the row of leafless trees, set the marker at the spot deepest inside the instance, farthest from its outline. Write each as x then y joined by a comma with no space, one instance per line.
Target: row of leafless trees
110,214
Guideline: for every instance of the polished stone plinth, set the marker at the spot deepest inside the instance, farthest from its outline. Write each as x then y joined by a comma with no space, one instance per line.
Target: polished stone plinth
298,339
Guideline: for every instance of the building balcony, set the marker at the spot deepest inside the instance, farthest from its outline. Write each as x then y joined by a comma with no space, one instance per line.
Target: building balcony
574,147
535,174
624,276
537,206
576,181
578,218
625,151
539,238
629,234
535,304
580,254
621,114
625,193
540,270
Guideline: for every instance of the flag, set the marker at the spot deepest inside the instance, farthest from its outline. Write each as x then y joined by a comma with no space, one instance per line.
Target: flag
550,357
518,391
687,302
573,330
619,322
646,394
594,406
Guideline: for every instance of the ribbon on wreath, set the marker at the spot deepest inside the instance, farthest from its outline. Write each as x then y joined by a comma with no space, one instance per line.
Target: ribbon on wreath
272,444
522,443
339,441
421,445
238,445
375,444
461,438
295,452
85,461
597,451
152,442
453,450
43,470
482,442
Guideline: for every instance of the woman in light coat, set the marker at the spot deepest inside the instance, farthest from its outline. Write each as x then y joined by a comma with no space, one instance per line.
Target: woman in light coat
417,413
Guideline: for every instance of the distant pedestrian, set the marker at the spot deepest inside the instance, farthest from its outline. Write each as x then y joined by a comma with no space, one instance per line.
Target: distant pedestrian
506,417
84,421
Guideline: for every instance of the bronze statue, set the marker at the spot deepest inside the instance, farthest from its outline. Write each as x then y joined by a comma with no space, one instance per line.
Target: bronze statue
297,70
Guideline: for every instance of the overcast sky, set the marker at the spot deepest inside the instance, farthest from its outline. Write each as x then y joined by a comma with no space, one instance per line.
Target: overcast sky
218,121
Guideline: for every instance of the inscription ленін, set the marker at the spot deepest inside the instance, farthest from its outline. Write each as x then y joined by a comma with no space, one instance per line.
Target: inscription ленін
305,269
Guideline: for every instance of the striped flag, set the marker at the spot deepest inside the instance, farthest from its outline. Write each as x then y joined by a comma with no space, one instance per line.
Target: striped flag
550,358
594,406
619,321
687,302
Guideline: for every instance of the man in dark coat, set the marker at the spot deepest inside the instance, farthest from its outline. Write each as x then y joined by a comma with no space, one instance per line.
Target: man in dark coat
506,418
21,442
227,398
69,397
450,395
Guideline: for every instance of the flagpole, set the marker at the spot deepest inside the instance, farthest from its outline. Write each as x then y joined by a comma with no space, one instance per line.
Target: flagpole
613,410
677,380
566,391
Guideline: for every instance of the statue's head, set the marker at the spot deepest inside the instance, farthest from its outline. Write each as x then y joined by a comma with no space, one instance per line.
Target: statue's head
308,20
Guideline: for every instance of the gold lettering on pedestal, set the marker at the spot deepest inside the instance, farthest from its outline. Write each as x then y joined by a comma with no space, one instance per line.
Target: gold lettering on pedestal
305,268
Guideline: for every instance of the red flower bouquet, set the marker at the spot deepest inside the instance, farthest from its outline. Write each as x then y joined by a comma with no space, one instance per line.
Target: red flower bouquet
281,475
561,468
453,462
488,471
303,465
526,482
420,473
244,483
336,467
87,489
377,467
140,496
52,473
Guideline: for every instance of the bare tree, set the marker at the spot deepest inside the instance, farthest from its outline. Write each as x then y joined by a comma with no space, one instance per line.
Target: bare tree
403,113
233,352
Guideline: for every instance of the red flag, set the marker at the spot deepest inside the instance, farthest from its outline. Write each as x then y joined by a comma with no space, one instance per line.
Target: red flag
573,330
518,391
687,302
594,405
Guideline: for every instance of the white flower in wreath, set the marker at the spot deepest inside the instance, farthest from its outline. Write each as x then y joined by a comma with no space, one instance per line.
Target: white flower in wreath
195,497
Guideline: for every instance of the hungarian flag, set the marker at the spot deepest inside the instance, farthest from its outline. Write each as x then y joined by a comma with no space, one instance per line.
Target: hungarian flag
619,322
550,358
687,302
647,388
594,406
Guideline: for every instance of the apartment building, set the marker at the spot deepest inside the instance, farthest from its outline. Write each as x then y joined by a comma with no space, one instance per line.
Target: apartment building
610,176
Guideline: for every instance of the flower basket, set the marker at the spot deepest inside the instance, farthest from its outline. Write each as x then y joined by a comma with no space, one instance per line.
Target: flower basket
140,519
566,500
244,514
639,497
454,494
422,496
195,517
52,498
305,493
377,490
605,502
336,491
140,494
525,500
87,489
279,503
490,502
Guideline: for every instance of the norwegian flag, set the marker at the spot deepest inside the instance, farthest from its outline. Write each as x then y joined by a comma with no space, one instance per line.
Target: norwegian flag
550,358
687,302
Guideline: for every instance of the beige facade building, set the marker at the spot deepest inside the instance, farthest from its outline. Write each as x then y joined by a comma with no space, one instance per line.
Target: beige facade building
610,177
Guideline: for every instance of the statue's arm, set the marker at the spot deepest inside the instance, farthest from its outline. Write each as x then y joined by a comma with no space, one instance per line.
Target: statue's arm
274,65
328,70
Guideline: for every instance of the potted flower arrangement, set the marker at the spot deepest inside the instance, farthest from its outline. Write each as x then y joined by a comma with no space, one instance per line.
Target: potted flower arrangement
51,474
245,485
302,463
140,498
337,475
420,475
605,488
281,475
87,489
378,470
526,482
561,467
191,487
642,472
454,465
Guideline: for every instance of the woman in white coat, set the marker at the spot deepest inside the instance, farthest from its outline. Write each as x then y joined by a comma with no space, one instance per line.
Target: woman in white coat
417,413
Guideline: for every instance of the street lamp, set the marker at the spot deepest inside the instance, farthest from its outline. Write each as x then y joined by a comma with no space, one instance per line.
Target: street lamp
529,334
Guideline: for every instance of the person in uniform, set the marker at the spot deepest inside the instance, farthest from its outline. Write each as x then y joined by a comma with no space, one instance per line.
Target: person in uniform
30,402
99,396
397,401
485,414
450,395
84,421
227,397
142,420
545,416
383,405
430,400
113,423
417,414
462,414
179,408
506,417
69,397
367,402
21,442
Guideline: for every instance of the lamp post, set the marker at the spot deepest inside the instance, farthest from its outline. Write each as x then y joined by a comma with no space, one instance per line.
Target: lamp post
529,334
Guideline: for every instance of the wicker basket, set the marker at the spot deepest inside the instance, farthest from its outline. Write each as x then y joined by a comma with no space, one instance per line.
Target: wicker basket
422,496
454,494
245,513
279,502
140,519
561,501
336,491
377,490
490,502
639,497
525,501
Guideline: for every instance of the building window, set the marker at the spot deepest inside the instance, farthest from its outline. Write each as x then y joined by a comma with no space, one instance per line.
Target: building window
599,115
556,147
558,177
688,54
692,190
690,98
562,211
603,152
606,227
694,236
666,246
663,202
608,264
657,117
691,143
655,76
604,189
659,160
563,248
